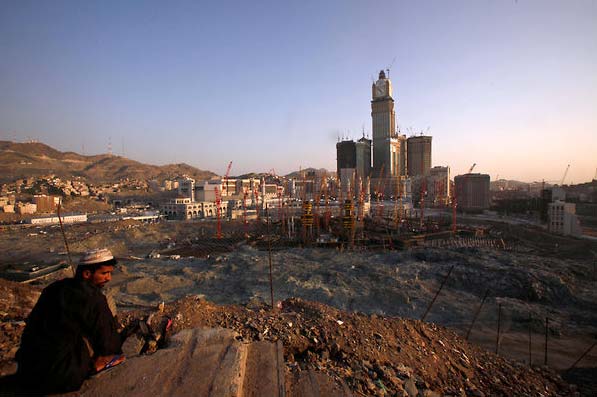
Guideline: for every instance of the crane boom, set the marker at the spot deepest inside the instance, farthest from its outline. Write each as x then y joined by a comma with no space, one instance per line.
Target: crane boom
565,173
226,179
219,201
455,199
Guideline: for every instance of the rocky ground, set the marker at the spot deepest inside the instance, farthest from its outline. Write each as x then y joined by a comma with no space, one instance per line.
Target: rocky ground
372,354
364,327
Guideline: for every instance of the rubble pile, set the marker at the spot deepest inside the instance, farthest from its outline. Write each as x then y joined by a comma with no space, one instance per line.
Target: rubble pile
372,354
16,301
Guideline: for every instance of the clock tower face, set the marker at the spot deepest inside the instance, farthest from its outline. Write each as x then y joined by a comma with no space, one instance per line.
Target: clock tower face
380,88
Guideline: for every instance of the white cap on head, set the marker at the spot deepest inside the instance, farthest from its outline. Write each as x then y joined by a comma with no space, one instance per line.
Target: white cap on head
96,257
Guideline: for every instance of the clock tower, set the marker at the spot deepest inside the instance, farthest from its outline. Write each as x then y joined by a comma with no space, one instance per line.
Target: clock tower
386,143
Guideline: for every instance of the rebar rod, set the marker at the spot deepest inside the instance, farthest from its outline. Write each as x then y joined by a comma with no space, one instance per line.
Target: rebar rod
470,328
70,261
437,293
499,324
546,333
269,251
530,340
583,355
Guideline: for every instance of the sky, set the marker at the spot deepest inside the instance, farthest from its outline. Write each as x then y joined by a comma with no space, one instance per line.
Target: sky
510,85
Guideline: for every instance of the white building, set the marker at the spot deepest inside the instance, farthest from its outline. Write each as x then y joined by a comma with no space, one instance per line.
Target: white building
563,219
206,190
46,220
186,188
26,208
183,208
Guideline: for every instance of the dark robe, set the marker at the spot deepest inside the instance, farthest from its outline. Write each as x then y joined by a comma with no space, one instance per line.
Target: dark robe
53,356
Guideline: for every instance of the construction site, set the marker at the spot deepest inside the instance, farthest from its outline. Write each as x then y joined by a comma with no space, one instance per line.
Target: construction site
328,285
387,278
500,293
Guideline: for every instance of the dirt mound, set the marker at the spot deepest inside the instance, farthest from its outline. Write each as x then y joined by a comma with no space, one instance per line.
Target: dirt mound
374,355
16,301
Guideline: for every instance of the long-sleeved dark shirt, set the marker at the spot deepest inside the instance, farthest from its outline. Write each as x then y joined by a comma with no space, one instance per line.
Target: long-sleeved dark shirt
53,354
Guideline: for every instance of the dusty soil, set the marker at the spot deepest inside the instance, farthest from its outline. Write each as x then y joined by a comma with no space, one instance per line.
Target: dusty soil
374,355
539,276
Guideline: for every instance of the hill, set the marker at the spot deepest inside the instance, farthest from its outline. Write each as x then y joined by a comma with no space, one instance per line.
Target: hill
306,171
21,160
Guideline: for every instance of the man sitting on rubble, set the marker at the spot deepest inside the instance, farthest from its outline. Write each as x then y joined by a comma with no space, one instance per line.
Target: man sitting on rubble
71,332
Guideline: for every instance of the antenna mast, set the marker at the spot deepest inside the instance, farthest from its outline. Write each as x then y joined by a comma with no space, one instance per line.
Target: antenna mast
390,67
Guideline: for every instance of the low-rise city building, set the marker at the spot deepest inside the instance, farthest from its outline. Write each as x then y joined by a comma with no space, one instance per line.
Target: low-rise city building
182,208
562,218
26,208
67,218
46,203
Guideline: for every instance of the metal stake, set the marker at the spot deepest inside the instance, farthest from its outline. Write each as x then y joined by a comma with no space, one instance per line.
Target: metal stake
583,355
470,328
530,343
269,250
546,333
70,261
497,341
437,293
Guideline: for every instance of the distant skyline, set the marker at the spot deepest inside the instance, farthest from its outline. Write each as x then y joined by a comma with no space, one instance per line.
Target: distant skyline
509,85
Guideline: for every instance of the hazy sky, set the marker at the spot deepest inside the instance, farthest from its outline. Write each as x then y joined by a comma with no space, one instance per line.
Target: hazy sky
509,85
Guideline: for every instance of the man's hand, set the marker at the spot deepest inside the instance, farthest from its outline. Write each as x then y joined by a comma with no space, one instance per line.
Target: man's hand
105,362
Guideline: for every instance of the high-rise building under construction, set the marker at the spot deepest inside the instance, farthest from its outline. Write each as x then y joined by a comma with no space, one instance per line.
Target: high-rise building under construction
388,153
418,155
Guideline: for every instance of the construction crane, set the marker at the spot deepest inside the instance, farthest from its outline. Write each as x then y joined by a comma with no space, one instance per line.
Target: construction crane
390,67
226,179
256,200
326,198
279,190
564,177
380,191
218,212
455,198
219,201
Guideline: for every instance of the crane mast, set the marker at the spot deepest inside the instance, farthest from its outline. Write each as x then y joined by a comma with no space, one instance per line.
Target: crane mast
455,199
219,201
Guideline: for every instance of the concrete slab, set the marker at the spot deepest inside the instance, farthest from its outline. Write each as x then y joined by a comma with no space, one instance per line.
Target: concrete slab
198,362
209,363
316,384
264,370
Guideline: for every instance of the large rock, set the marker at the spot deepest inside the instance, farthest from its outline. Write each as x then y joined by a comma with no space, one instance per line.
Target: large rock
198,362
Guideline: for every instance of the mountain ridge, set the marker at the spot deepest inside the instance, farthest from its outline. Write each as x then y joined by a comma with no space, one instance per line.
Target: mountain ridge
22,160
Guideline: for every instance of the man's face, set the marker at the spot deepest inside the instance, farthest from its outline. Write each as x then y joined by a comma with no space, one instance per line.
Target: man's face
101,276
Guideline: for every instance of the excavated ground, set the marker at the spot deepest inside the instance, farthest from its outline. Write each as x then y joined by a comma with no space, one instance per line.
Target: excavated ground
363,328
372,354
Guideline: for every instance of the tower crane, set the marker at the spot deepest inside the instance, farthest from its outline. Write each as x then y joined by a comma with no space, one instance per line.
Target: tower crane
226,178
380,191
564,177
455,199
390,67
219,201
